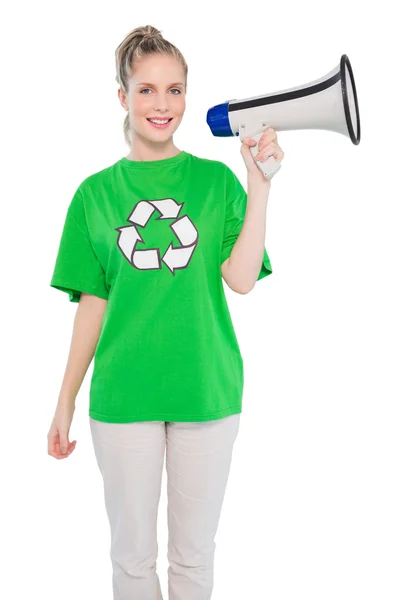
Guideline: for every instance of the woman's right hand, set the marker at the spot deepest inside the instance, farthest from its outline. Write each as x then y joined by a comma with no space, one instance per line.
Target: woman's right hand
57,438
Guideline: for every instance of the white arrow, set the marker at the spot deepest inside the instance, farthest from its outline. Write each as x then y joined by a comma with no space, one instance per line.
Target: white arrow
177,258
141,213
185,231
168,208
146,259
127,239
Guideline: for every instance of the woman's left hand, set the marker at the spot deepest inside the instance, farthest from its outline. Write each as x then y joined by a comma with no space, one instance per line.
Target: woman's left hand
267,146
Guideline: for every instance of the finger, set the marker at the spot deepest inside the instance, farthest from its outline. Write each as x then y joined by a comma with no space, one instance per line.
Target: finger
64,442
57,455
249,141
272,133
277,155
54,447
57,451
269,135
267,148
70,447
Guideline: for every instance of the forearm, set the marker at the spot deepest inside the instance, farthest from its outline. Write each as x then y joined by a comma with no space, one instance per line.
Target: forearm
85,335
247,254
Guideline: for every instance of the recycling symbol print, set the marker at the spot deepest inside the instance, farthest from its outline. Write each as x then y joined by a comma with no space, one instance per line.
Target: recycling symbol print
150,258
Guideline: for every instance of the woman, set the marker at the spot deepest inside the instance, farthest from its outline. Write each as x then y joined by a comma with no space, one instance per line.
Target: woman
145,245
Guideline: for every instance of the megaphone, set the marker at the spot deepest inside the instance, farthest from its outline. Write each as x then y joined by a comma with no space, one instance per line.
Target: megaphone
327,103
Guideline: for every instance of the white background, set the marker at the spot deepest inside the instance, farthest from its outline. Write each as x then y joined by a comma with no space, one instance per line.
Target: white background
312,504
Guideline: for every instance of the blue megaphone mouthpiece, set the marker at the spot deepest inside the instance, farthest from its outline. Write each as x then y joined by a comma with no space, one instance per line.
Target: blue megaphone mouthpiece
218,120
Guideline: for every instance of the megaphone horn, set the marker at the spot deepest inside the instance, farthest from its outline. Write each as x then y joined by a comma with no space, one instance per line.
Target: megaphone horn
328,103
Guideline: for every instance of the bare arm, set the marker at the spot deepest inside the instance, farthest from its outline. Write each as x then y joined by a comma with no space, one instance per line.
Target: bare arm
241,269
85,335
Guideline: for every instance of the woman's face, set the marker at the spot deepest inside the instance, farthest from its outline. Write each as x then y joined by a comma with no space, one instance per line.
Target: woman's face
156,89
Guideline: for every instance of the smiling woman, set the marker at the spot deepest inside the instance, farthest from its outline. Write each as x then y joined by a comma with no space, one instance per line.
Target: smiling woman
152,74
142,245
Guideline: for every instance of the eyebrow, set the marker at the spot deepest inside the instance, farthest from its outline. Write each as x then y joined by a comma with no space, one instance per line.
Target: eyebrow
152,84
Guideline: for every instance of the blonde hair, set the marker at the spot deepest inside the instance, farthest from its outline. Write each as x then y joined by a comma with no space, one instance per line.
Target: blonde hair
141,41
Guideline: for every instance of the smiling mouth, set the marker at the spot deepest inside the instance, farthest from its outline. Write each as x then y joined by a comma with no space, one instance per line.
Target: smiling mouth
168,120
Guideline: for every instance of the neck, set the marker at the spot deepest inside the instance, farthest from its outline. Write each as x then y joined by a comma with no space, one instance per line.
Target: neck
144,149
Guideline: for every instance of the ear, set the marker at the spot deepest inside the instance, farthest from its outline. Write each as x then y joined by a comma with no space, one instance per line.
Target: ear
122,99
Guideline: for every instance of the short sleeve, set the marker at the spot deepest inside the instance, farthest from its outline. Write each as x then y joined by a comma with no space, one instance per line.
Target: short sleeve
77,268
236,202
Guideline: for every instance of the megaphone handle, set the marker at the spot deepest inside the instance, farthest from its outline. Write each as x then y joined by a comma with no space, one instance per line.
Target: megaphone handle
270,166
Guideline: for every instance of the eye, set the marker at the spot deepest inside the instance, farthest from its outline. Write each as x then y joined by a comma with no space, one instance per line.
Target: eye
144,89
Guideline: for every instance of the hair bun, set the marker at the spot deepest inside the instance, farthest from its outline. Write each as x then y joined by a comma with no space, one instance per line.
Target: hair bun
150,34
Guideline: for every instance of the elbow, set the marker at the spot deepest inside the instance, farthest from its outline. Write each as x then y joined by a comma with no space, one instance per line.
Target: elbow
237,290
243,290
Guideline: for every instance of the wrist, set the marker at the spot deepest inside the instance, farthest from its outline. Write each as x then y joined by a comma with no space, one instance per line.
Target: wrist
258,186
66,401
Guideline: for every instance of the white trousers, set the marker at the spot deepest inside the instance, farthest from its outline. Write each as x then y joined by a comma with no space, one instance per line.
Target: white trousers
131,457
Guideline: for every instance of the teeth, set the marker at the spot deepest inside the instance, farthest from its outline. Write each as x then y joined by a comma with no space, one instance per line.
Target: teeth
158,121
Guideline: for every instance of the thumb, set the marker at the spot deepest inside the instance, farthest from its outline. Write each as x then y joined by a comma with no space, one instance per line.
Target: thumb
245,148
63,443
247,155
248,141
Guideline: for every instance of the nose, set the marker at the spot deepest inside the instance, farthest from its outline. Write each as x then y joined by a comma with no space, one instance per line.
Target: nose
161,104
161,107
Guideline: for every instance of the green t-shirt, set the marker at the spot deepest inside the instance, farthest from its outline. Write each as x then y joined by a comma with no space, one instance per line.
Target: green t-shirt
150,237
